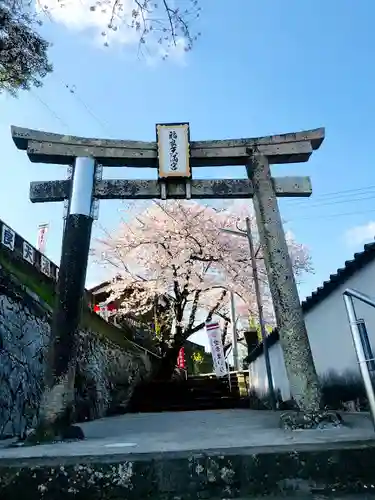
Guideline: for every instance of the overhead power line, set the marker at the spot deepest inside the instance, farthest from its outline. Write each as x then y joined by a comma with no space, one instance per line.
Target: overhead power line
74,92
47,12
48,107
330,216
323,203
347,193
347,197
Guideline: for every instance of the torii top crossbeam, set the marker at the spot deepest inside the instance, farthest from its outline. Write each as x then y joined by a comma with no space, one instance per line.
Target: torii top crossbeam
45,147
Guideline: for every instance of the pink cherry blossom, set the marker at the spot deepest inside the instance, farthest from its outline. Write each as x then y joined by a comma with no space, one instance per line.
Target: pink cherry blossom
176,249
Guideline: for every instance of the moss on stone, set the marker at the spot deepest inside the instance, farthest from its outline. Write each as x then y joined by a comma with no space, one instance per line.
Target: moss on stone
195,476
40,435
38,284
105,366
297,420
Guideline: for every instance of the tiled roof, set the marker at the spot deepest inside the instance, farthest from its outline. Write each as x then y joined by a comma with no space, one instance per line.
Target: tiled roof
360,260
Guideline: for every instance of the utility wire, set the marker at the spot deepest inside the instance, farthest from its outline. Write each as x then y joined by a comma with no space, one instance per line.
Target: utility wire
329,216
53,113
73,91
333,198
73,88
333,202
336,194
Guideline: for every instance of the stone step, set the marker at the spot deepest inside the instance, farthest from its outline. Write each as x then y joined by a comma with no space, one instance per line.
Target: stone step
202,405
215,454
341,473
188,405
191,394
184,395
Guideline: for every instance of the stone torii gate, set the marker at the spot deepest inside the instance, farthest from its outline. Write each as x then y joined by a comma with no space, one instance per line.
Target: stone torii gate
174,155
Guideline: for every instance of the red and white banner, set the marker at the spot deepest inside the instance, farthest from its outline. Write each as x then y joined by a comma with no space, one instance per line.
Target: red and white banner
181,358
104,309
214,338
42,237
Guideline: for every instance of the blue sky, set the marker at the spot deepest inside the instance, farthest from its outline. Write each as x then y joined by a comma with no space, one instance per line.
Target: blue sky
260,67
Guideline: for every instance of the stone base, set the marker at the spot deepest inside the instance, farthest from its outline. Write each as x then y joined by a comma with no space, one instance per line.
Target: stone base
319,420
193,476
45,436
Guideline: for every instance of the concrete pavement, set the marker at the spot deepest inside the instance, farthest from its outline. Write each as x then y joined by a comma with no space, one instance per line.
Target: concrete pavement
180,433
189,455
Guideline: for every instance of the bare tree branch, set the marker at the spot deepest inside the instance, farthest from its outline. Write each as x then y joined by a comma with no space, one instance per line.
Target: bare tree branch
157,22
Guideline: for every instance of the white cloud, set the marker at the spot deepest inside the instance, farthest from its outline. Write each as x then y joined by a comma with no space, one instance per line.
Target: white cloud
176,53
359,235
78,16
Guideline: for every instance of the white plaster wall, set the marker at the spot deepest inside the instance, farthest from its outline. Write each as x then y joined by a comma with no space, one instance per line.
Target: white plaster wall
258,375
328,327
329,334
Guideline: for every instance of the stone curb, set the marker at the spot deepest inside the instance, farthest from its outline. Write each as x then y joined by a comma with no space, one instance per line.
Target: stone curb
197,475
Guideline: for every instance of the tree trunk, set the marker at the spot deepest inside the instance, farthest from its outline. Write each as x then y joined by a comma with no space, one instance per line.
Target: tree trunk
168,363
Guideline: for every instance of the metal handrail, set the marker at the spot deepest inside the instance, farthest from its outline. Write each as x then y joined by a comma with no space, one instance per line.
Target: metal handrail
360,296
143,348
349,294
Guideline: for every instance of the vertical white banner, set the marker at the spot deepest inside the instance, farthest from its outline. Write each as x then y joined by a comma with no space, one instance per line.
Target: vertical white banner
214,338
42,237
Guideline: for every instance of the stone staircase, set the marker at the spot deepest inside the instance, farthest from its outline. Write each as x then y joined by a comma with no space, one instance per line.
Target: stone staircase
204,392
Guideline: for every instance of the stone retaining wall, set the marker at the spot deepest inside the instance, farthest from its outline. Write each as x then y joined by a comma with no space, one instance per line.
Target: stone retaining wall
24,333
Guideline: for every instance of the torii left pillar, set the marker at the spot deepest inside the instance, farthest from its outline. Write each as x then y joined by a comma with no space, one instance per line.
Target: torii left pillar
60,375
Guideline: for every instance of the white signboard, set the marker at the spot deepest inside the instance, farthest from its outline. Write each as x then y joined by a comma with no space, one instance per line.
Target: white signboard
28,253
173,150
214,337
8,237
45,265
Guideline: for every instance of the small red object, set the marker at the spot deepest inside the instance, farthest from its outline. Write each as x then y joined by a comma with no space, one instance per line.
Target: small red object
181,358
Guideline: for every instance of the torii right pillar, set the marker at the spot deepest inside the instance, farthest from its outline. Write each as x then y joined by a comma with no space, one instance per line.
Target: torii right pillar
299,363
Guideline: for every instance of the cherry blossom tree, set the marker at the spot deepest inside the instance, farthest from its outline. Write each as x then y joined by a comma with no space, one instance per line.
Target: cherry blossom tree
173,259
157,26
166,22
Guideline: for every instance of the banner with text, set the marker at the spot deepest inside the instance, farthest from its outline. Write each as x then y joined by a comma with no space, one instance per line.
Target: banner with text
42,237
181,359
214,338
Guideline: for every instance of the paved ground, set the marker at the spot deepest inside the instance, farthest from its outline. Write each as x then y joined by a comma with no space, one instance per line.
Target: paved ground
178,434
208,454
359,496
